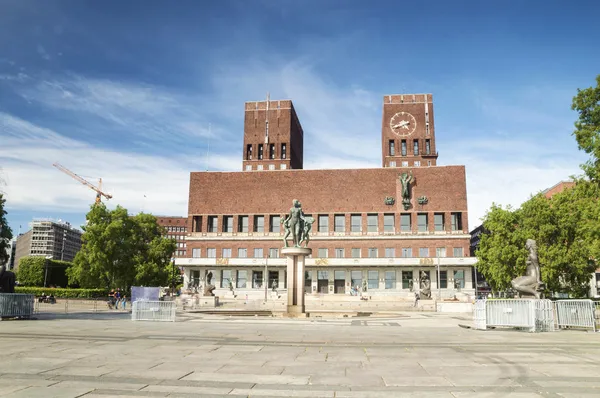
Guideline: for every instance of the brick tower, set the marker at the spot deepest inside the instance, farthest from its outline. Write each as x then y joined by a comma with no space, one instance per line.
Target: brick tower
273,136
407,131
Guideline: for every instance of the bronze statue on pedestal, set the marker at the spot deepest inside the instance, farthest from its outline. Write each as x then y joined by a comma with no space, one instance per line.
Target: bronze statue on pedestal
530,284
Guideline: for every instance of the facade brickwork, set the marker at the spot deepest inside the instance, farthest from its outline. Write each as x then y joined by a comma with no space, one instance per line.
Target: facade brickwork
361,222
175,228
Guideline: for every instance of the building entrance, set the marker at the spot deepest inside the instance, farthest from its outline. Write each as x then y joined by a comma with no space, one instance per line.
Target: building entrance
322,281
339,282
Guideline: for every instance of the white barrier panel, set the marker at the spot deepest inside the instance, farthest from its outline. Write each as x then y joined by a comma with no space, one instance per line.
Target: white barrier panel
16,305
479,318
534,315
160,311
575,313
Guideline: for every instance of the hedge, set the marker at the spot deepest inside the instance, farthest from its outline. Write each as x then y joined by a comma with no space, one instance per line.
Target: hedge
64,293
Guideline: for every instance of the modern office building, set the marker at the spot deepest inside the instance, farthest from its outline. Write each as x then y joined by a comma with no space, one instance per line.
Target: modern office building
51,239
378,228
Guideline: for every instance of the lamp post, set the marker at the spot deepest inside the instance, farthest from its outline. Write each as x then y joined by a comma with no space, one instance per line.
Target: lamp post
173,276
266,275
438,278
46,269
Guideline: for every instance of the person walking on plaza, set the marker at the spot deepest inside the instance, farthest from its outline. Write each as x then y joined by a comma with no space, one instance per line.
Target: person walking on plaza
124,301
118,299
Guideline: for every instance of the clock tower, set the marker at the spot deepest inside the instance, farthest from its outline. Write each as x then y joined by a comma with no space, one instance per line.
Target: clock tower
407,131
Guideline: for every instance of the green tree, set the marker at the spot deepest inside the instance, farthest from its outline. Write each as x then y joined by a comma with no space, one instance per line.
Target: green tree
30,271
587,127
5,232
121,251
501,253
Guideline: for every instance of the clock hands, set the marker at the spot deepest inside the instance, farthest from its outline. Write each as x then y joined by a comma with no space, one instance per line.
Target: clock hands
404,124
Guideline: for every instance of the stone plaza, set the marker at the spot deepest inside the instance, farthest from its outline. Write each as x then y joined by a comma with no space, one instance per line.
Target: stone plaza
412,354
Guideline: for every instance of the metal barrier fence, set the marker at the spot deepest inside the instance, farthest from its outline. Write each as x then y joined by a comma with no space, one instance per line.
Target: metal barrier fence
74,306
533,315
153,311
16,305
576,314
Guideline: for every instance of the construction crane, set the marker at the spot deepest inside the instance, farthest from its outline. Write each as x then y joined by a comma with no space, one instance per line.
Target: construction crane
98,189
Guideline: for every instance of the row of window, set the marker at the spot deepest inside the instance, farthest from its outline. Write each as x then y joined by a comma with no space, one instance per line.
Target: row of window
271,149
403,147
176,237
404,163
390,252
239,279
339,223
176,229
282,166
180,253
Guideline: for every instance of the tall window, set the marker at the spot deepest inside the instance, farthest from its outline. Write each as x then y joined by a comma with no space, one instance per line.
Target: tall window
372,223
390,252
355,221
213,224
443,279
258,253
260,151
428,147
227,223
249,152
283,151
339,223
372,252
373,281
274,253
356,279
225,278
405,222
438,220
456,221
211,252
459,279
274,224
323,223
195,253
355,253
259,223
458,252
243,224
271,151
392,149
226,253
415,147
390,279
440,252
323,253
242,278
339,253
242,253
197,224
407,252
423,252
403,147
422,222
388,223
407,282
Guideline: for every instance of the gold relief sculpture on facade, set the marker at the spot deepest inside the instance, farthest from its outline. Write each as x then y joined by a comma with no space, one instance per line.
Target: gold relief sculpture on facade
222,261
321,261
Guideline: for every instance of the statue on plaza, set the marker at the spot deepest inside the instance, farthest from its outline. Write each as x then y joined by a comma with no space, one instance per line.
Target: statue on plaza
295,224
208,287
425,285
7,280
530,284
307,227
406,179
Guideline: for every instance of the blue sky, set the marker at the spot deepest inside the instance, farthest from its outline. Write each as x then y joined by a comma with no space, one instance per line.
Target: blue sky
126,90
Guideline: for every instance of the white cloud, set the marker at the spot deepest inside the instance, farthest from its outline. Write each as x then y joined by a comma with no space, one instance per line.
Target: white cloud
505,163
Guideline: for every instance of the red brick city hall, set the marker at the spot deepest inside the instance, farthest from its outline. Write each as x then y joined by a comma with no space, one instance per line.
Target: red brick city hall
375,228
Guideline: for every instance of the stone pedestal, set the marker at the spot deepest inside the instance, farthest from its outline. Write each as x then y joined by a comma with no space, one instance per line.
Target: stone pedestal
208,301
295,279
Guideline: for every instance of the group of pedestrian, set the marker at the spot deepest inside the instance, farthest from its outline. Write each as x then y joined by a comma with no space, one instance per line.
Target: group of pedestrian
116,298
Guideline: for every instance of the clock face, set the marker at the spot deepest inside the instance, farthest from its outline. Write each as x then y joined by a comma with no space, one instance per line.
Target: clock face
403,123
